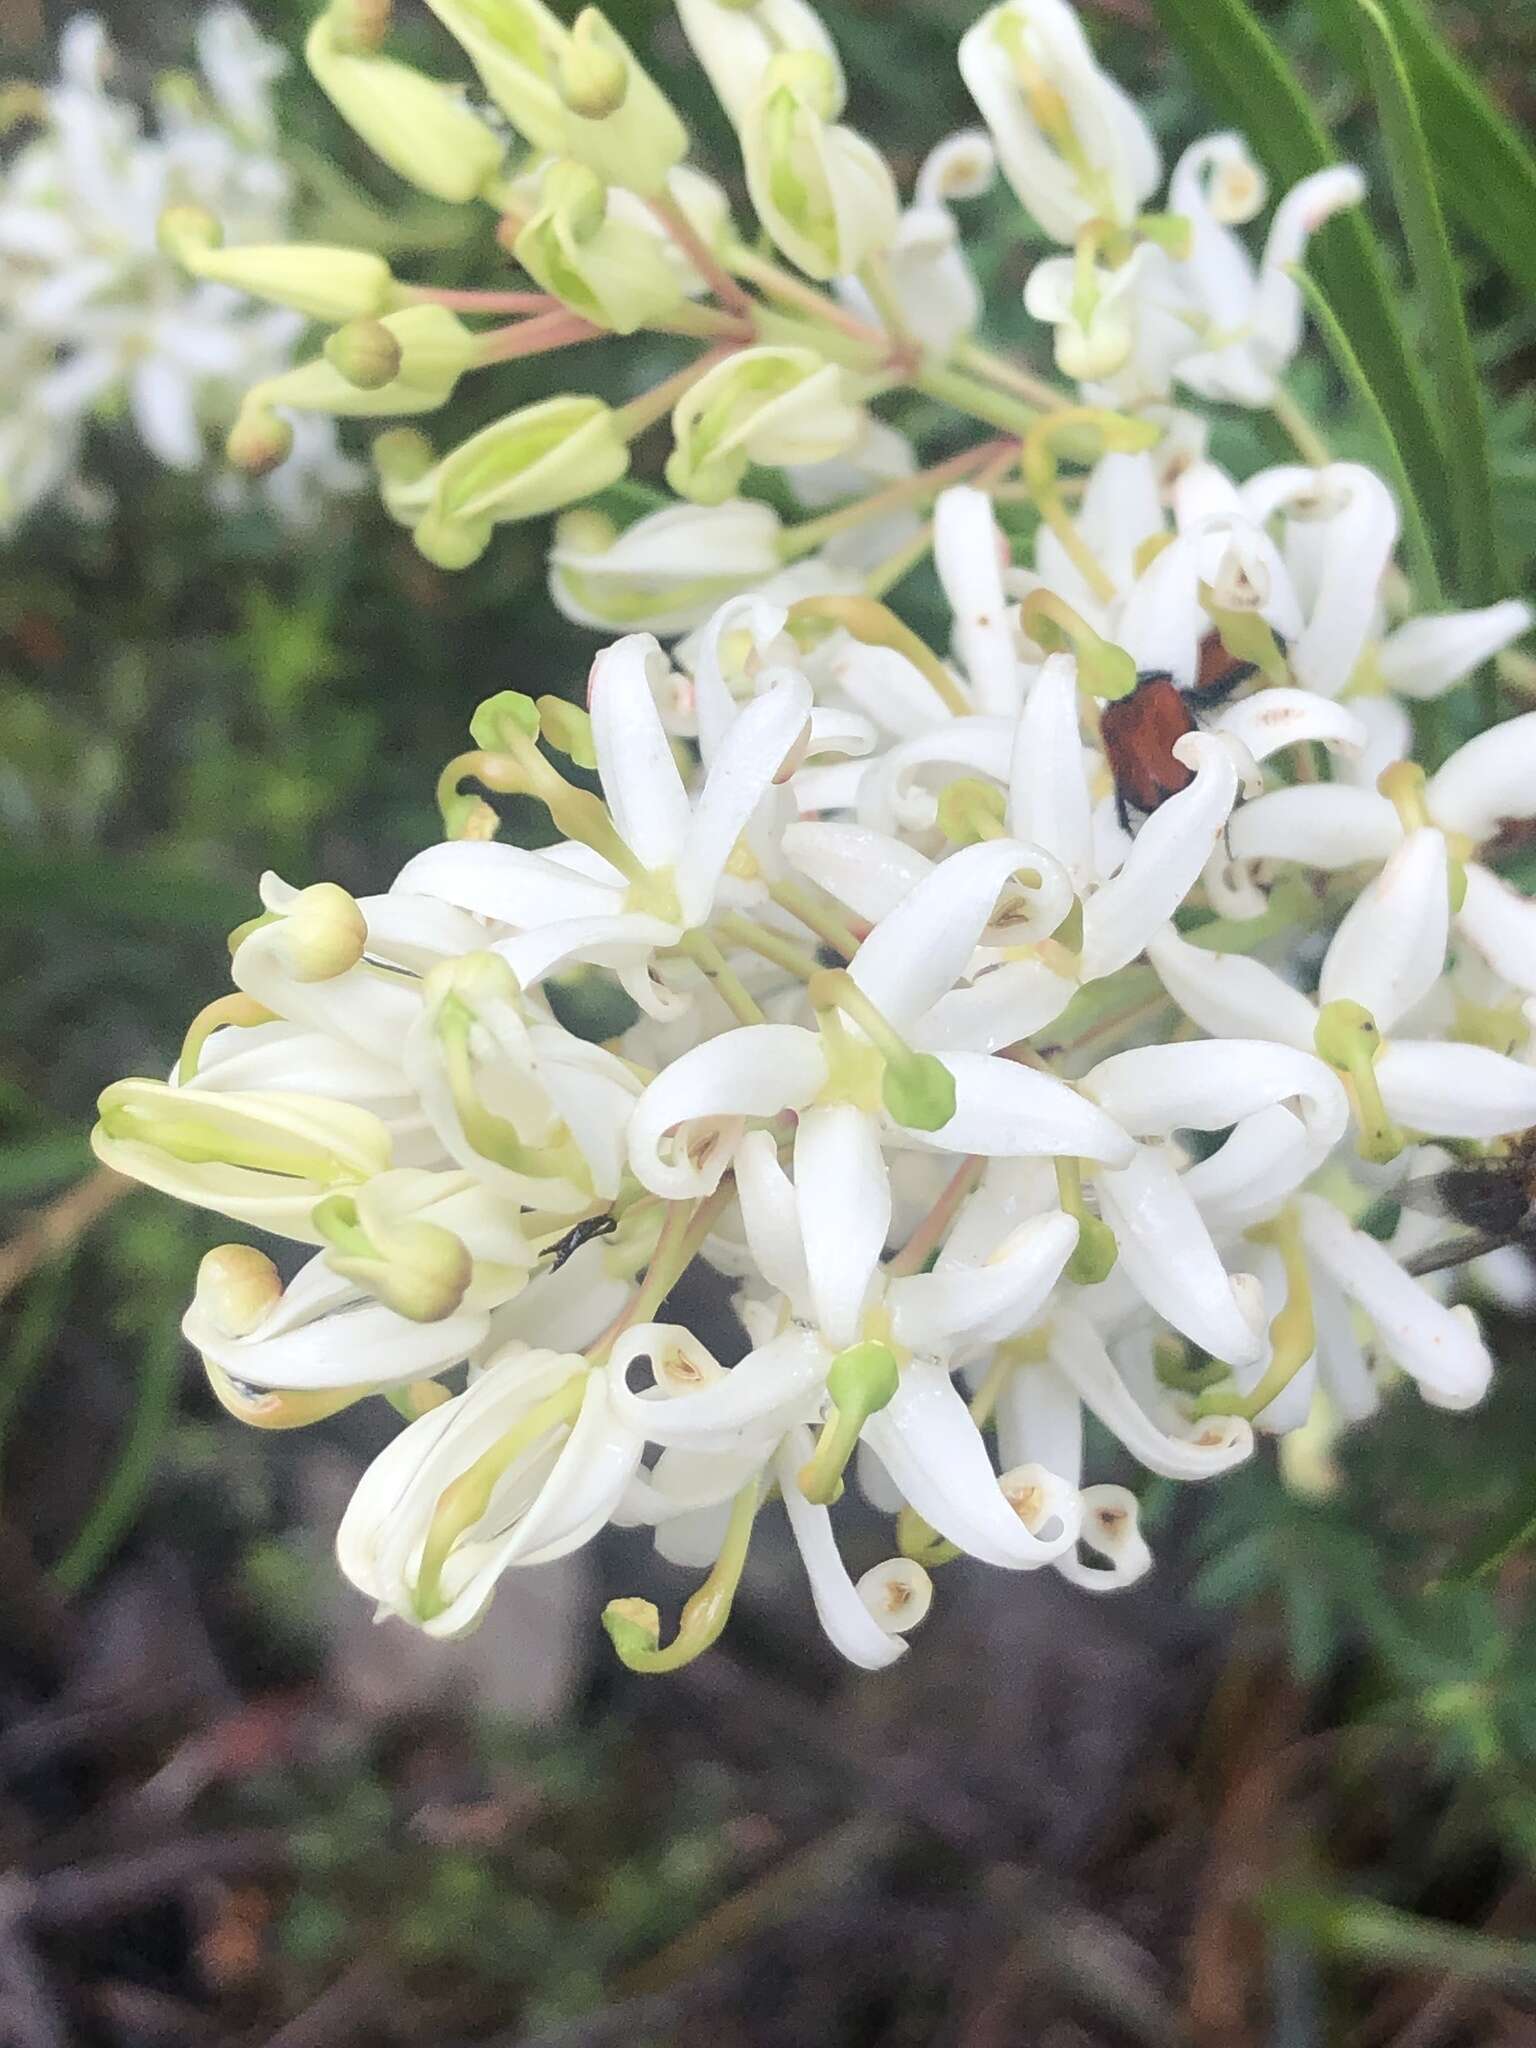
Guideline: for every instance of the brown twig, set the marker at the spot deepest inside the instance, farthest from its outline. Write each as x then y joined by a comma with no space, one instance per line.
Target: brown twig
82,1894
59,1224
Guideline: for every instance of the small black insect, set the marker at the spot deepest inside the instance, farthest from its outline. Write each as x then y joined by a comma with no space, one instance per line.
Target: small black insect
1140,731
1494,1198
582,1233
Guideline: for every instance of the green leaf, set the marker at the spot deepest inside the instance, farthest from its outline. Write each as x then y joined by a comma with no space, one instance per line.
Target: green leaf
1383,1936
1421,551
1238,67
1485,170
1468,469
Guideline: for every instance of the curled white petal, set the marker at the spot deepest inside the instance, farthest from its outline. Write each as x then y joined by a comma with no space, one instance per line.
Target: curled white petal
1164,863
1439,1347
686,1123
1167,1255
850,1625
1389,951
935,1454
1491,778
1456,1091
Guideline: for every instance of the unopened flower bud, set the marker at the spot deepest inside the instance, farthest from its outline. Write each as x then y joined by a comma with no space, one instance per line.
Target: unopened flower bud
419,127
418,1269
764,405
533,461
365,352
237,1288
825,195
259,441
322,283
617,118
435,349
324,933
609,270
594,79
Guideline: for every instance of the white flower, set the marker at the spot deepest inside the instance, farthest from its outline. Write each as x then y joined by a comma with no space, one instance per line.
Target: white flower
569,902
1334,826
1093,309
1248,320
689,1120
98,318
525,1466
1071,144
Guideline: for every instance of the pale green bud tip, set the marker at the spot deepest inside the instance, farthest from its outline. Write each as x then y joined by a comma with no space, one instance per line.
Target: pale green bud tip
428,1271
502,720
1106,672
365,353
594,78
184,232
259,441
473,980
1346,1034
402,456
1095,1254
634,1629
358,25
864,1378
919,1092
449,543
420,1270
237,1287
585,532
324,933
568,728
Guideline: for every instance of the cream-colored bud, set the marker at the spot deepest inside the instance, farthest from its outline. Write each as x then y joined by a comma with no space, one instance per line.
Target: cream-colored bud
436,348
418,1269
237,1288
365,352
586,531
322,283
259,441
324,933
617,119
422,129
594,78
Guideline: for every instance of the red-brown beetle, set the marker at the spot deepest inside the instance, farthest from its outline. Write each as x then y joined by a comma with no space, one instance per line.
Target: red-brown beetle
1140,731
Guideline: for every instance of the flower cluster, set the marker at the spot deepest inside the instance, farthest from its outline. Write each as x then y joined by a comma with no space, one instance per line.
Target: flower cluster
1043,1025
95,319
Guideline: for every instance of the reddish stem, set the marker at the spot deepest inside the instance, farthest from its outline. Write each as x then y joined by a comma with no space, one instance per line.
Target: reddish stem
537,336
481,302
703,258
